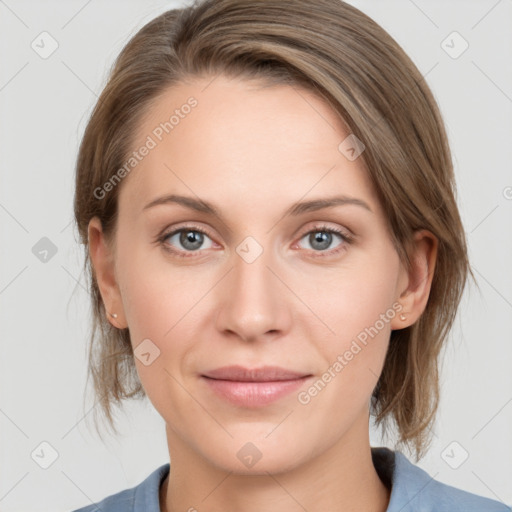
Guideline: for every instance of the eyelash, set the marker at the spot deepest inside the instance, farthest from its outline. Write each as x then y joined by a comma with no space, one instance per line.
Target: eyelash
347,239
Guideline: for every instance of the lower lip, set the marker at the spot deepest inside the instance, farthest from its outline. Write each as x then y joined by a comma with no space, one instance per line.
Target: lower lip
253,394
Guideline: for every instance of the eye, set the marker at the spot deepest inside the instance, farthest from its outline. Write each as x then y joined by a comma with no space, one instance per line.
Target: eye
321,238
190,238
187,240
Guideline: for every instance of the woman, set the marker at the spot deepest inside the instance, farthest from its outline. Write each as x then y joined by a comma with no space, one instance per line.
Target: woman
266,198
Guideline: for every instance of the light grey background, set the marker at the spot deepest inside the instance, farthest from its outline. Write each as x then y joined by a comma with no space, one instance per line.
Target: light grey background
44,105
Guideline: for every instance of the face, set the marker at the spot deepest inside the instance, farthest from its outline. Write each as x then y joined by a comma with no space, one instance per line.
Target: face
261,282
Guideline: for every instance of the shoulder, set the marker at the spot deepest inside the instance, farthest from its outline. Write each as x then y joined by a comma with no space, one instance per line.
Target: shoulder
413,489
143,497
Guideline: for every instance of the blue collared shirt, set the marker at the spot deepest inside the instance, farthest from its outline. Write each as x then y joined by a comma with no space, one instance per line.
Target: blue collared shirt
412,490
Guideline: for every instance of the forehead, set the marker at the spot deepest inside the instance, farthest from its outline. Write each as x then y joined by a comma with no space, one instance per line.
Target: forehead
224,139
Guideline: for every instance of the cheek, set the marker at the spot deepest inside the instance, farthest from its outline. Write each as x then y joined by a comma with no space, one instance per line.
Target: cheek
155,294
355,295
356,304
164,310
353,357
161,316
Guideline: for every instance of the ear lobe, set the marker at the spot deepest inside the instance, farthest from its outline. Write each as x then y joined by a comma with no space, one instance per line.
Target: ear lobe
103,263
415,297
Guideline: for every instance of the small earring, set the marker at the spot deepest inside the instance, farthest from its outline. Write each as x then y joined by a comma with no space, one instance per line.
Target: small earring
402,317
113,315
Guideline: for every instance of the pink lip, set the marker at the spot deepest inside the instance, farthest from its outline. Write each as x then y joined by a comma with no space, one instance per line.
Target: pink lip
257,387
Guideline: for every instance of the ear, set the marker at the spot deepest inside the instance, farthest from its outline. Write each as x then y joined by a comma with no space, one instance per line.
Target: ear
102,260
414,285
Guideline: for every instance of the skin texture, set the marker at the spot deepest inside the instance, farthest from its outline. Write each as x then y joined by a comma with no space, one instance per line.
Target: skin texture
254,151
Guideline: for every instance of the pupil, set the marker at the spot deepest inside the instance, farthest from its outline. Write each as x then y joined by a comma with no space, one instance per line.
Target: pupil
191,239
323,239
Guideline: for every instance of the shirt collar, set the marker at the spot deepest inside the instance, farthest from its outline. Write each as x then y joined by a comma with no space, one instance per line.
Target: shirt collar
405,480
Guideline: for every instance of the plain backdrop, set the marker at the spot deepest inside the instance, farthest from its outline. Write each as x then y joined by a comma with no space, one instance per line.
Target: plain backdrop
44,306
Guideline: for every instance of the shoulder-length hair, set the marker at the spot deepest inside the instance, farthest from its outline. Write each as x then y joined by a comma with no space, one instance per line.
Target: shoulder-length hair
342,55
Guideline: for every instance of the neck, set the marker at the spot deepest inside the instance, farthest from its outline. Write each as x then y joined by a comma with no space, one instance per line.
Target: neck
341,479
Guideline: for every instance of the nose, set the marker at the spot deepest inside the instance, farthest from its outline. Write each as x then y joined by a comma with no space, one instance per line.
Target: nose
253,300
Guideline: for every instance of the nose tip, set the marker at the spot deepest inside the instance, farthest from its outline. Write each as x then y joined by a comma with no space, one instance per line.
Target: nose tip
251,302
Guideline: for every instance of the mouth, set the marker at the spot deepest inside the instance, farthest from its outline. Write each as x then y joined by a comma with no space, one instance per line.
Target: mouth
245,387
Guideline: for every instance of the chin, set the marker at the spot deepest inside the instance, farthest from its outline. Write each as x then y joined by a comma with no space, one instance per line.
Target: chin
274,464
255,455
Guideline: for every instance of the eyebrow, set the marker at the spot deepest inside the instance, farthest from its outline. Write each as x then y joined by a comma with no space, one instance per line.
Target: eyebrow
296,209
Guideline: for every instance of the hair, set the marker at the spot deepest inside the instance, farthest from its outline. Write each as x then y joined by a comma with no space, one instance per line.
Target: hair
336,51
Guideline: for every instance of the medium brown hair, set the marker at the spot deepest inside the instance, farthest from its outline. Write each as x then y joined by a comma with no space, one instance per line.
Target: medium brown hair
343,56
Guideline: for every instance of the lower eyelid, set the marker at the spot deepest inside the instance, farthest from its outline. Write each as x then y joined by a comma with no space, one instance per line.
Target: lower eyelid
345,239
174,232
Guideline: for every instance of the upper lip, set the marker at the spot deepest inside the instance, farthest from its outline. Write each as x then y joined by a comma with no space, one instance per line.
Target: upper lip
263,374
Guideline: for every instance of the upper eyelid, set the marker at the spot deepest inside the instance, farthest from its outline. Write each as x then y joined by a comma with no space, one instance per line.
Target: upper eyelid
347,239
340,231
192,227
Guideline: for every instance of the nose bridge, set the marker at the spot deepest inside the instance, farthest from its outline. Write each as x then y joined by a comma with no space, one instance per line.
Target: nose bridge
252,303
251,274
